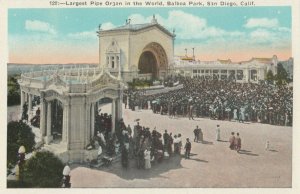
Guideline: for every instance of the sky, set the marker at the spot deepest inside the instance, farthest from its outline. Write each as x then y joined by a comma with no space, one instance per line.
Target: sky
45,36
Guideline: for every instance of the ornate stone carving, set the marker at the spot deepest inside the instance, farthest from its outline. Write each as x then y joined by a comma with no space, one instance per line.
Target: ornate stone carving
113,47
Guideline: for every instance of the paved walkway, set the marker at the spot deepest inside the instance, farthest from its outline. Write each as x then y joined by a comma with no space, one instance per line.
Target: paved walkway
212,163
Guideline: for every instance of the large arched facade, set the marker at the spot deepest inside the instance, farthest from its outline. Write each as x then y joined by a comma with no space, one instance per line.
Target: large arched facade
140,50
153,60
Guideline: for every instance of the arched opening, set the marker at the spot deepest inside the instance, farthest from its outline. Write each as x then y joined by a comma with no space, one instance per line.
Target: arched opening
56,119
148,64
103,116
153,61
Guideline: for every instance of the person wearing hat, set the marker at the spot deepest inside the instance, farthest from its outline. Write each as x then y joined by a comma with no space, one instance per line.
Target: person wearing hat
188,147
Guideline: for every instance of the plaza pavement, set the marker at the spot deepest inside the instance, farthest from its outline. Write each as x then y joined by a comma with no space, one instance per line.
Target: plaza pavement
212,163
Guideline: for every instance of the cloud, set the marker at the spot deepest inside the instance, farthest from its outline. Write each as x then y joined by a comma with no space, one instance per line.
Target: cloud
83,35
40,26
262,23
262,36
178,20
107,26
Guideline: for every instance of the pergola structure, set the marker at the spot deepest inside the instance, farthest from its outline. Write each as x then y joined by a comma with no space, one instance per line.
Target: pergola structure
79,91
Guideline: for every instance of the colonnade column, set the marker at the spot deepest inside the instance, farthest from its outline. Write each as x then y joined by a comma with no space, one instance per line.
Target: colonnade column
29,106
235,74
22,102
92,119
49,136
113,126
120,107
65,122
43,115
246,72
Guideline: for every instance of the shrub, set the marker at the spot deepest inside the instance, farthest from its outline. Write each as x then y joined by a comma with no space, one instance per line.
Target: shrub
18,134
44,170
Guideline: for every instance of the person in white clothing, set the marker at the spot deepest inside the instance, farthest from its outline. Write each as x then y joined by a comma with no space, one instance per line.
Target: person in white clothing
147,158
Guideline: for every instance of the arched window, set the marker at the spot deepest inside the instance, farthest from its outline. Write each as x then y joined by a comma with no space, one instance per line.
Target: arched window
113,62
118,60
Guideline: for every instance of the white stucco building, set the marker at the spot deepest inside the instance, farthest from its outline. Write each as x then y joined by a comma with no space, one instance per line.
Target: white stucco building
142,50
77,92
244,71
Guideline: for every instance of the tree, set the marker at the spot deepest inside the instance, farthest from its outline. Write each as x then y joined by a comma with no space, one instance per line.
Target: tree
13,90
18,134
43,170
282,75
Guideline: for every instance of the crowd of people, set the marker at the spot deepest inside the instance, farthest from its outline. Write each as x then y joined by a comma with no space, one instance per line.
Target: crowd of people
219,99
148,147
140,144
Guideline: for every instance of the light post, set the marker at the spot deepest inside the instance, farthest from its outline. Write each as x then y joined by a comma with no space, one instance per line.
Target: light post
66,178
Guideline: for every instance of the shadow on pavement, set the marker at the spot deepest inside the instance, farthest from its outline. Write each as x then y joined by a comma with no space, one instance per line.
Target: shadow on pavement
247,152
207,142
198,160
156,170
273,150
222,140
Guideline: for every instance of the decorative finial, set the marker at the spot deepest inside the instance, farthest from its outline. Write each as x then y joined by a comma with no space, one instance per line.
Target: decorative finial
154,20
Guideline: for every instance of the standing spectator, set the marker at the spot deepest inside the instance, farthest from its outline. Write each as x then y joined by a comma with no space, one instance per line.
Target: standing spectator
179,143
200,135
188,147
147,158
129,130
176,141
218,133
170,144
238,142
125,157
231,141
196,134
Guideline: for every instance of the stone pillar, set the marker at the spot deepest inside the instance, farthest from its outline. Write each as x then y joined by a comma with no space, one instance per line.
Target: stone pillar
113,124
26,97
29,107
120,107
119,66
92,109
49,137
65,122
22,102
43,115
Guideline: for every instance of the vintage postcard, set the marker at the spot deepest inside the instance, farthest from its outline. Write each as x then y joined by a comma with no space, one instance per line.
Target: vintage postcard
150,94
